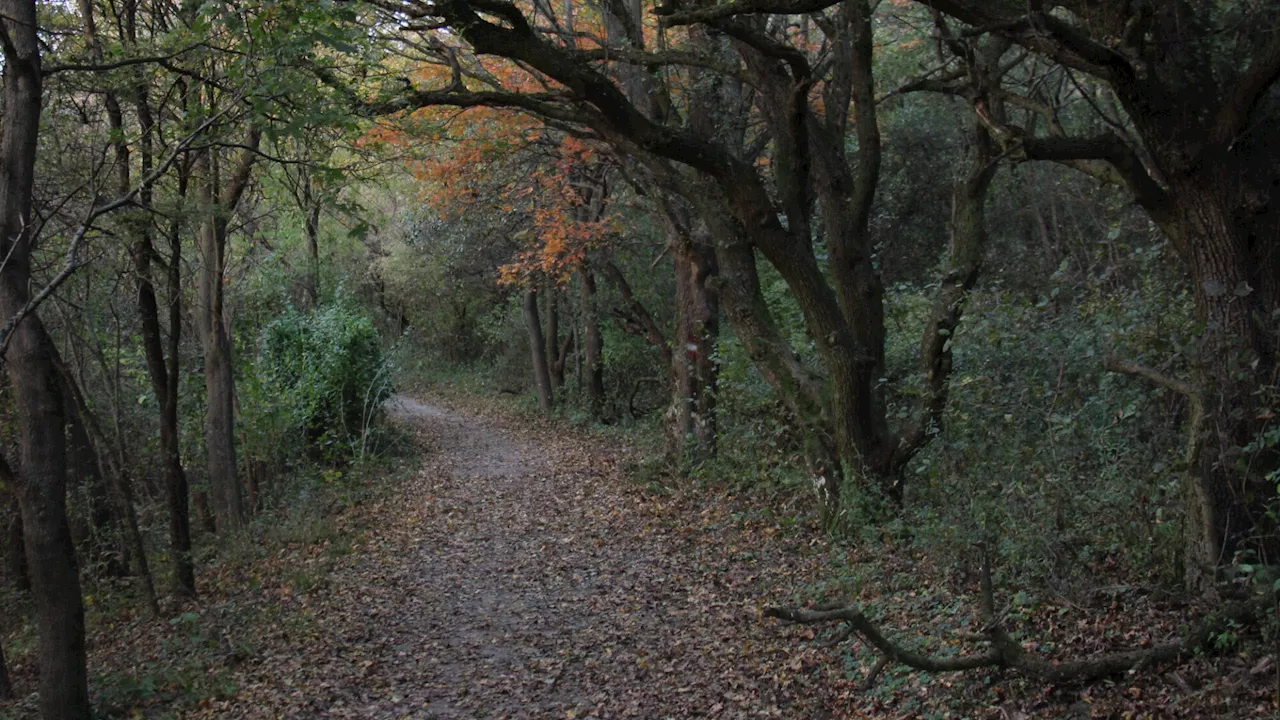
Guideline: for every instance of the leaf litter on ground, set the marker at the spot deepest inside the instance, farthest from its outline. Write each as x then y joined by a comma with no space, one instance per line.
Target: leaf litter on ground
520,574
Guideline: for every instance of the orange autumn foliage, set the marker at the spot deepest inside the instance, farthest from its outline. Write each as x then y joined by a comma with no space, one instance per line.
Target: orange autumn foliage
501,161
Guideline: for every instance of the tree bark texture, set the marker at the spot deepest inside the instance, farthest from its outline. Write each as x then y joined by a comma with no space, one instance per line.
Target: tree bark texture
693,409
219,381
42,472
6,686
538,350
15,555
551,335
592,343
218,202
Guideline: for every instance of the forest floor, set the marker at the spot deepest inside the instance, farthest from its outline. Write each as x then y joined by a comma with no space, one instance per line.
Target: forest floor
518,575
523,571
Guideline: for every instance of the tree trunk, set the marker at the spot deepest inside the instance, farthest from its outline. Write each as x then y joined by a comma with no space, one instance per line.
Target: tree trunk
219,382
552,338
6,687
224,482
42,491
163,373
55,580
538,348
15,558
176,487
311,206
966,252
693,417
88,432
1235,358
175,478
592,344
200,504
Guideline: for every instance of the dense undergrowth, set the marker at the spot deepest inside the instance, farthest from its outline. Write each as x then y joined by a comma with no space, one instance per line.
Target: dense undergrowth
314,448
1068,471
1065,474
145,666
923,587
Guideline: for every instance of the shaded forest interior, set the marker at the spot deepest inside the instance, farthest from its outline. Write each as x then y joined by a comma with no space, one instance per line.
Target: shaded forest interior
972,306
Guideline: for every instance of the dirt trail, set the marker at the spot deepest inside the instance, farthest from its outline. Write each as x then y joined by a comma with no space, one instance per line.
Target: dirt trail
521,577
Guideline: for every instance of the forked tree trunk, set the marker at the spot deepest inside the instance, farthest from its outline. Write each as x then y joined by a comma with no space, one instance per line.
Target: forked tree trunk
219,382
55,580
538,351
218,202
693,415
158,369
163,372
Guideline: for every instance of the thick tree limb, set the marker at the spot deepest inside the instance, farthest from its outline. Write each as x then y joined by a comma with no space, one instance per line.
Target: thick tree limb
672,16
1148,373
1008,654
1235,114
869,632
552,105
1110,159
636,319
1037,31
101,67
662,59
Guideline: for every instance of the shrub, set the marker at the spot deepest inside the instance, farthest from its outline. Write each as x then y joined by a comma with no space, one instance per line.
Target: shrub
323,377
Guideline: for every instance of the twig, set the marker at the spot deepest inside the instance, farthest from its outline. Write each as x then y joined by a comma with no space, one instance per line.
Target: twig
72,262
870,680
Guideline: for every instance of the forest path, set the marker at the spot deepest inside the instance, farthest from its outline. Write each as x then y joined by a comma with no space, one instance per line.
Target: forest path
521,576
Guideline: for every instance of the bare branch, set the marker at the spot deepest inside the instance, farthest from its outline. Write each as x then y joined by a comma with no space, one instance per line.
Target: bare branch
635,318
1009,654
1148,373
672,16
127,62
72,261
869,632
1235,114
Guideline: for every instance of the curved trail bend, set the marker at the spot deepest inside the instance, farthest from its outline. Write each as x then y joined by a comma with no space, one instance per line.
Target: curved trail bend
519,576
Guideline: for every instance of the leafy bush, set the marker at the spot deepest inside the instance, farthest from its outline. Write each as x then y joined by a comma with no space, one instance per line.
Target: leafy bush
322,377
1069,471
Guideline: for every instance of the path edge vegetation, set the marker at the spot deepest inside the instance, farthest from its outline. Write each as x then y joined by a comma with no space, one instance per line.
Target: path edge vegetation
760,159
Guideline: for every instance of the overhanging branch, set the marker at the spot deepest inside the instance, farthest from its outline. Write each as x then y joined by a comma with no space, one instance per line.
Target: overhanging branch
127,62
72,262
673,16
1235,114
